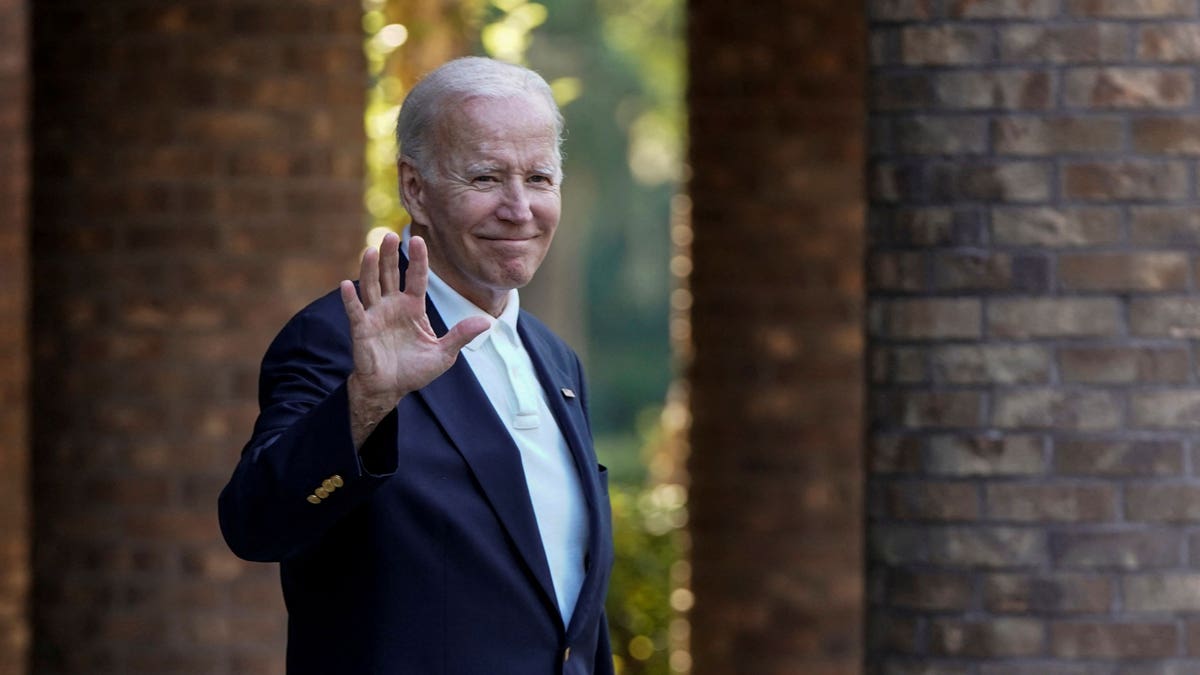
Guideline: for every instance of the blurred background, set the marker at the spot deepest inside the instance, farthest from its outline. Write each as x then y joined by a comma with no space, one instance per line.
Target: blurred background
890,311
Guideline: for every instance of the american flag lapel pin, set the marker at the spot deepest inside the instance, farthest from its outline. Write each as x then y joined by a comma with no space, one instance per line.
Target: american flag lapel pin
567,392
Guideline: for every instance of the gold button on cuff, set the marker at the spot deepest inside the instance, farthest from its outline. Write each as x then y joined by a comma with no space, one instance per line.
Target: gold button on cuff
328,484
337,481
313,499
322,492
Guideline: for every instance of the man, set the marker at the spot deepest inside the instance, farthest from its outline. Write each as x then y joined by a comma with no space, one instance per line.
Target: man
432,495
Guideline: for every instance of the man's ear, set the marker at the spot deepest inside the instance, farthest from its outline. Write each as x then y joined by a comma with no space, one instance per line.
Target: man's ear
412,190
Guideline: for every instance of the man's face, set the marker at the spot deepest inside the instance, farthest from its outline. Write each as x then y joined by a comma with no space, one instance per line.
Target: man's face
490,205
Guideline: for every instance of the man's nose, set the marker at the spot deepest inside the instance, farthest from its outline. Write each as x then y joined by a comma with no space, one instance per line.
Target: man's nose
514,206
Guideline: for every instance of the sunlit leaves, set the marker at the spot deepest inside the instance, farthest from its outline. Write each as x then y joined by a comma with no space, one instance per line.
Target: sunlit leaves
507,37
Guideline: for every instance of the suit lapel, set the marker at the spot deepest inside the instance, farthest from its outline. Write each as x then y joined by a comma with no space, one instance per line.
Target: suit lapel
465,413
495,461
568,412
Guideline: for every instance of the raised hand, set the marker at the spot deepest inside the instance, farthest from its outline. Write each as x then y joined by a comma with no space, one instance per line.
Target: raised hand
395,349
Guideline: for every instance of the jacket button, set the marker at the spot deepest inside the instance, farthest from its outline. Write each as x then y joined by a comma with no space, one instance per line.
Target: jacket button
337,481
322,492
328,485
566,654
313,499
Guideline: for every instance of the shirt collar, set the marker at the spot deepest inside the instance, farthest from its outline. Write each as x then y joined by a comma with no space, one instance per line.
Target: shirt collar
453,307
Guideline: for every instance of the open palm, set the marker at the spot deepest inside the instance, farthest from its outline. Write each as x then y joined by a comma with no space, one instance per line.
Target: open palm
395,349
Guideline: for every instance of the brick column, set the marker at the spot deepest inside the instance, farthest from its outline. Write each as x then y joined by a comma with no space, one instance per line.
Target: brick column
776,122
1034,487
14,344
198,178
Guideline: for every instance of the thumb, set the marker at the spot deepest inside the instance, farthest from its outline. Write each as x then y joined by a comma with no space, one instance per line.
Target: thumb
463,332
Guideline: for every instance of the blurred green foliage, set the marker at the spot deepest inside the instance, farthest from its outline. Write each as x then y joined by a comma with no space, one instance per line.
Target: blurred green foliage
648,591
617,70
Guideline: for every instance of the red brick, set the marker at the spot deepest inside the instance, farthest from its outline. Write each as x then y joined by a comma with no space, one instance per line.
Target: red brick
1161,502
745,90
898,365
1170,225
1039,318
1003,9
1118,88
1048,593
1125,180
1166,409
1001,364
1174,317
1079,410
973,272
1118,458
995,638
1103,640
1072,231
896,634
151,256
933,501
1130,9
987,547
923,409
932,135
927,318
890,182
898,545
1084,43
16,578
1012,181
944,45
1166,136
902,91
1168,43
933,226
902,666
1193,637
1161,592
1055,227
1042,667
1124,271
985,455
988,89
897,271
1032,502
937,591
1123,364
898,10
891,453
1057,135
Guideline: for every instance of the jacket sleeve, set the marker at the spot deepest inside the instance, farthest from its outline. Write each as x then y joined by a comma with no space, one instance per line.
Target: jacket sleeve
271,508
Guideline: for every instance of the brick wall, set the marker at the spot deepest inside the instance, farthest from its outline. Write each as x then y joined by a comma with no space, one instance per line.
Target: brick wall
1033,230
776,123
14,343
198,175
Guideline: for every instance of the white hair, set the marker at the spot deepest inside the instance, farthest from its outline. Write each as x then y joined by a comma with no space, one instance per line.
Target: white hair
454,83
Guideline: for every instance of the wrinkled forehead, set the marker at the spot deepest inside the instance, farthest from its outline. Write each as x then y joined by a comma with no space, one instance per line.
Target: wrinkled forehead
524,124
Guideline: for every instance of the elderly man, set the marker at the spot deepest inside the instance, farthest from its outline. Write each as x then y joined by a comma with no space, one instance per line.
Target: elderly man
432,494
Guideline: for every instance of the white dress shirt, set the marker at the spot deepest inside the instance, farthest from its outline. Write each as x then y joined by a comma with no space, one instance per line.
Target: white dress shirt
505,372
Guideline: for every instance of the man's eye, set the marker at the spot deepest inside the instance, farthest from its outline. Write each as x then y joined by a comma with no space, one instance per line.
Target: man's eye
538,178
484,179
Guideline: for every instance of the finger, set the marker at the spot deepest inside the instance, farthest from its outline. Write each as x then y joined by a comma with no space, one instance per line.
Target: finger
368,277
416,279
463,332
389,264
354,308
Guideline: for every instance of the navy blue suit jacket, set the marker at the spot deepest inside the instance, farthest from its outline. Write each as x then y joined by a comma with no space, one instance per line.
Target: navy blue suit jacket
427,560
